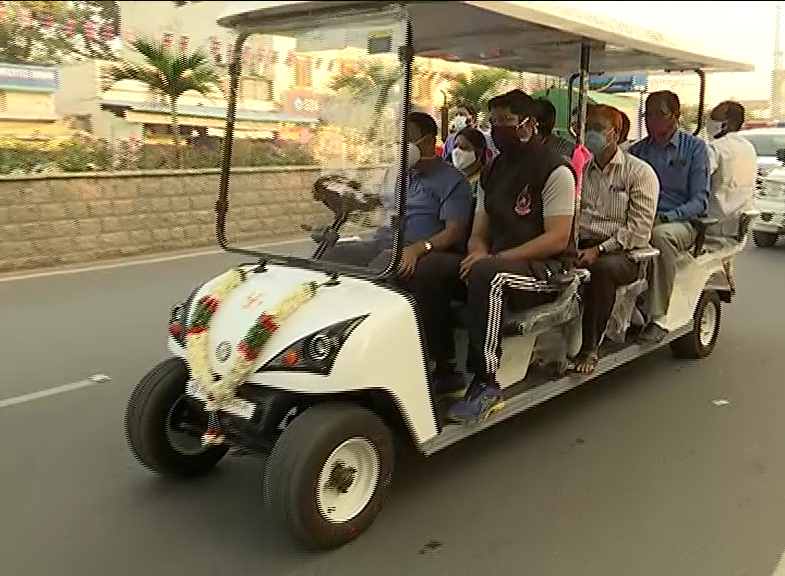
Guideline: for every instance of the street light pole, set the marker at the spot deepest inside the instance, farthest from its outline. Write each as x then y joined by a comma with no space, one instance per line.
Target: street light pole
776,97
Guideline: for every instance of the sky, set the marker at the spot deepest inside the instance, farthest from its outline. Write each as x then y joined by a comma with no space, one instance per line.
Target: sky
743,30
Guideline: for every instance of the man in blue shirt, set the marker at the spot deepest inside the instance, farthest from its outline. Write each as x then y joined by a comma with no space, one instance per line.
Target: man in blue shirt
681,162
438,207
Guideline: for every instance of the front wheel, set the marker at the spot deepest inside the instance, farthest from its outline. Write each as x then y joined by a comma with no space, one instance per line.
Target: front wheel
163,427
329,473
702,339
764,239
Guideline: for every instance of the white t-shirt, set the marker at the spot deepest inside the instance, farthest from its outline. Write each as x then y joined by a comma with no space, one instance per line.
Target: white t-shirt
733,164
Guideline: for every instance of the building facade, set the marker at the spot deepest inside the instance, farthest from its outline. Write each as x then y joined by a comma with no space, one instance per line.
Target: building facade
27,103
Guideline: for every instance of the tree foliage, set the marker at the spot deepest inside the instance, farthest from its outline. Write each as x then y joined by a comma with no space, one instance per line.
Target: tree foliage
168,74
51,33
372,79
476,89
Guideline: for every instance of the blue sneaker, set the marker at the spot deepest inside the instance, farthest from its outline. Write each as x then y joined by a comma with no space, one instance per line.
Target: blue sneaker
481,400
448,384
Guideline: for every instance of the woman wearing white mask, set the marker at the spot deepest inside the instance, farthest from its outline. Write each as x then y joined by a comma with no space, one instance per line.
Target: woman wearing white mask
469,155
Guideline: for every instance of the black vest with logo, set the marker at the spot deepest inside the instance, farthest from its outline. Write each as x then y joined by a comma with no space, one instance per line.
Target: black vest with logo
512,186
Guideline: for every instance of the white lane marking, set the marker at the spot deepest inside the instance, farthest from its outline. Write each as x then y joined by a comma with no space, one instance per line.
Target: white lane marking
91,381
123,264
780,569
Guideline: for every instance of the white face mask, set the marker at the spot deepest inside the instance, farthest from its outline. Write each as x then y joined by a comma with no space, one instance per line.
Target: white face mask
463,158
714,127
459,123
414,154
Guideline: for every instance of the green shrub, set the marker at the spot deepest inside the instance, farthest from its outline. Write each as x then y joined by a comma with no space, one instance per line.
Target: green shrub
83,153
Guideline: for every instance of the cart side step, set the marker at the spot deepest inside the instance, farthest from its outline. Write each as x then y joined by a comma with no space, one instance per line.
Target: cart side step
524,397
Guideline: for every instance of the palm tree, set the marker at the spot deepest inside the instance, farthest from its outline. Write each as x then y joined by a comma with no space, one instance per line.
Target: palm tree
477,89
373,79
168,74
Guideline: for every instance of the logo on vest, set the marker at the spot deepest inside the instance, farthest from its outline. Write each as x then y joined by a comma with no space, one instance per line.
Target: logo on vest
523,204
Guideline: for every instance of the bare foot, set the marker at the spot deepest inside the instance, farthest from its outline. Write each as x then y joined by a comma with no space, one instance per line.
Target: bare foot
585,363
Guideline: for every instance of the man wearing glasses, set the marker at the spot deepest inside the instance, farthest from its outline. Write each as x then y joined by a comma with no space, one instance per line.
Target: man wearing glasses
681,162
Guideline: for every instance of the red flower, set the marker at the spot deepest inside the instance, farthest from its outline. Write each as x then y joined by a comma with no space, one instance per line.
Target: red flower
210,303
247,352
268,323
193,330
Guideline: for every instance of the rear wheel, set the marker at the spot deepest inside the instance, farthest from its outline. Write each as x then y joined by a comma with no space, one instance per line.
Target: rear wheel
702,339
764,239
329,473
163,426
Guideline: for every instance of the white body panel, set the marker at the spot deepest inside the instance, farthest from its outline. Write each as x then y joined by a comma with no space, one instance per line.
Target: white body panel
383,352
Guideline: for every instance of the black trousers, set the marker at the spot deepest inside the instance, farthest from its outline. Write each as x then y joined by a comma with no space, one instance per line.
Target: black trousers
608,273
493,285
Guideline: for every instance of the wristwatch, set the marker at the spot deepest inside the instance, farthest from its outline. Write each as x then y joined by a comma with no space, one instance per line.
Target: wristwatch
427,245
601,249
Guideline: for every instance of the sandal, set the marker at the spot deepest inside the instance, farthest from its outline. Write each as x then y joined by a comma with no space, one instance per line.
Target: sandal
585,363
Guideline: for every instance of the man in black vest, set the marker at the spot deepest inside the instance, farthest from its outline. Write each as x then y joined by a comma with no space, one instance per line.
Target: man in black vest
522,235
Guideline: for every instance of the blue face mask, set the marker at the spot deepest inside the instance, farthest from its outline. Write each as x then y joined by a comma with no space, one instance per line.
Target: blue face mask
596,141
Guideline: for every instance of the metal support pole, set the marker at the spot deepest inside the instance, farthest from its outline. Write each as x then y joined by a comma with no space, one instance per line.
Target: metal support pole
583,79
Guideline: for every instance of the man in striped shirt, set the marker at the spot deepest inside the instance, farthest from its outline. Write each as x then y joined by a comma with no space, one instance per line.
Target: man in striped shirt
618,203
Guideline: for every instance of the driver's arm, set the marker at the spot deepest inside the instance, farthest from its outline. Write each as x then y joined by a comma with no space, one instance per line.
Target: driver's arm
558,208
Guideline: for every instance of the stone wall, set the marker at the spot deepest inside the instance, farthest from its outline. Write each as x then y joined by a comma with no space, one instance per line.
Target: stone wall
76,218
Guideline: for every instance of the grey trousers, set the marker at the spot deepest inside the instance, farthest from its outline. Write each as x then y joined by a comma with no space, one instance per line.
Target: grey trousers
672,239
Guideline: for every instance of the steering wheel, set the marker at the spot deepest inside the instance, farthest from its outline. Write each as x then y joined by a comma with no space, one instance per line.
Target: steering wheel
343,196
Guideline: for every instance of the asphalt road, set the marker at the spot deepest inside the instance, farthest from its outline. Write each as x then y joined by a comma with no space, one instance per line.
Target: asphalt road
662,468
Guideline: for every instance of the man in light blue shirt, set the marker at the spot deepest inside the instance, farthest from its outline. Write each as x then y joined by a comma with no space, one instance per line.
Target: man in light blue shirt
681,162
438,207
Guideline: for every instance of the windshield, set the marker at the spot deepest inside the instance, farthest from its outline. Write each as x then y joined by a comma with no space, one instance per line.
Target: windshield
325,153
766,144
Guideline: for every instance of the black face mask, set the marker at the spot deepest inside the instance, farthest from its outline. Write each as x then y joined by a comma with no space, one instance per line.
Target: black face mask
505,137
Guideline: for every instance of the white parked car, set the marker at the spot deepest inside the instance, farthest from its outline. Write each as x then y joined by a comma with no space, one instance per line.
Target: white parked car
770,189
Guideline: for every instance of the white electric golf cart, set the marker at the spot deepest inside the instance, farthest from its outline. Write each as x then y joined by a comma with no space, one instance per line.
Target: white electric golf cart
321,365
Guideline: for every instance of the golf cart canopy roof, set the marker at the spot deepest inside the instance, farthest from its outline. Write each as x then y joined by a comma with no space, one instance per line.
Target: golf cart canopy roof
536,37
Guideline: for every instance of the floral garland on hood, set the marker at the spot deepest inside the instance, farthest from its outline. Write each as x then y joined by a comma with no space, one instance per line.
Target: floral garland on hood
221,390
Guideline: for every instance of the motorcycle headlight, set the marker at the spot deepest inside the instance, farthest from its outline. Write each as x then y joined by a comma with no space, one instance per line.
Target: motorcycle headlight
316,352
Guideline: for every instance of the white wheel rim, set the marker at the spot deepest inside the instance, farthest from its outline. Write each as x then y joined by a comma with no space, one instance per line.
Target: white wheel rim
348,480
708,323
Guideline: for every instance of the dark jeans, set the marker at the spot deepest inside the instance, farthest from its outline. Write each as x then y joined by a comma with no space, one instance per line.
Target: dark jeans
492,285
608,273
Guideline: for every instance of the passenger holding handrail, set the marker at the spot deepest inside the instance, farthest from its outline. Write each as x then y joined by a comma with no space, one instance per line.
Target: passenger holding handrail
618,204
681,162
734,167
522,236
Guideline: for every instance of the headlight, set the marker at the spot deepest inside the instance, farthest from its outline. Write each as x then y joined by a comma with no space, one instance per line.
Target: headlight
178,317
316,352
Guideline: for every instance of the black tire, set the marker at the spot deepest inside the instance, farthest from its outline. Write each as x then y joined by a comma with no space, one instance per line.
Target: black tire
293,469
764,239
147,419
692,345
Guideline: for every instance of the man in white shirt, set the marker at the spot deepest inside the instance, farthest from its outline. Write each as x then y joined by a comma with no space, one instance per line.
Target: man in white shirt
733,165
